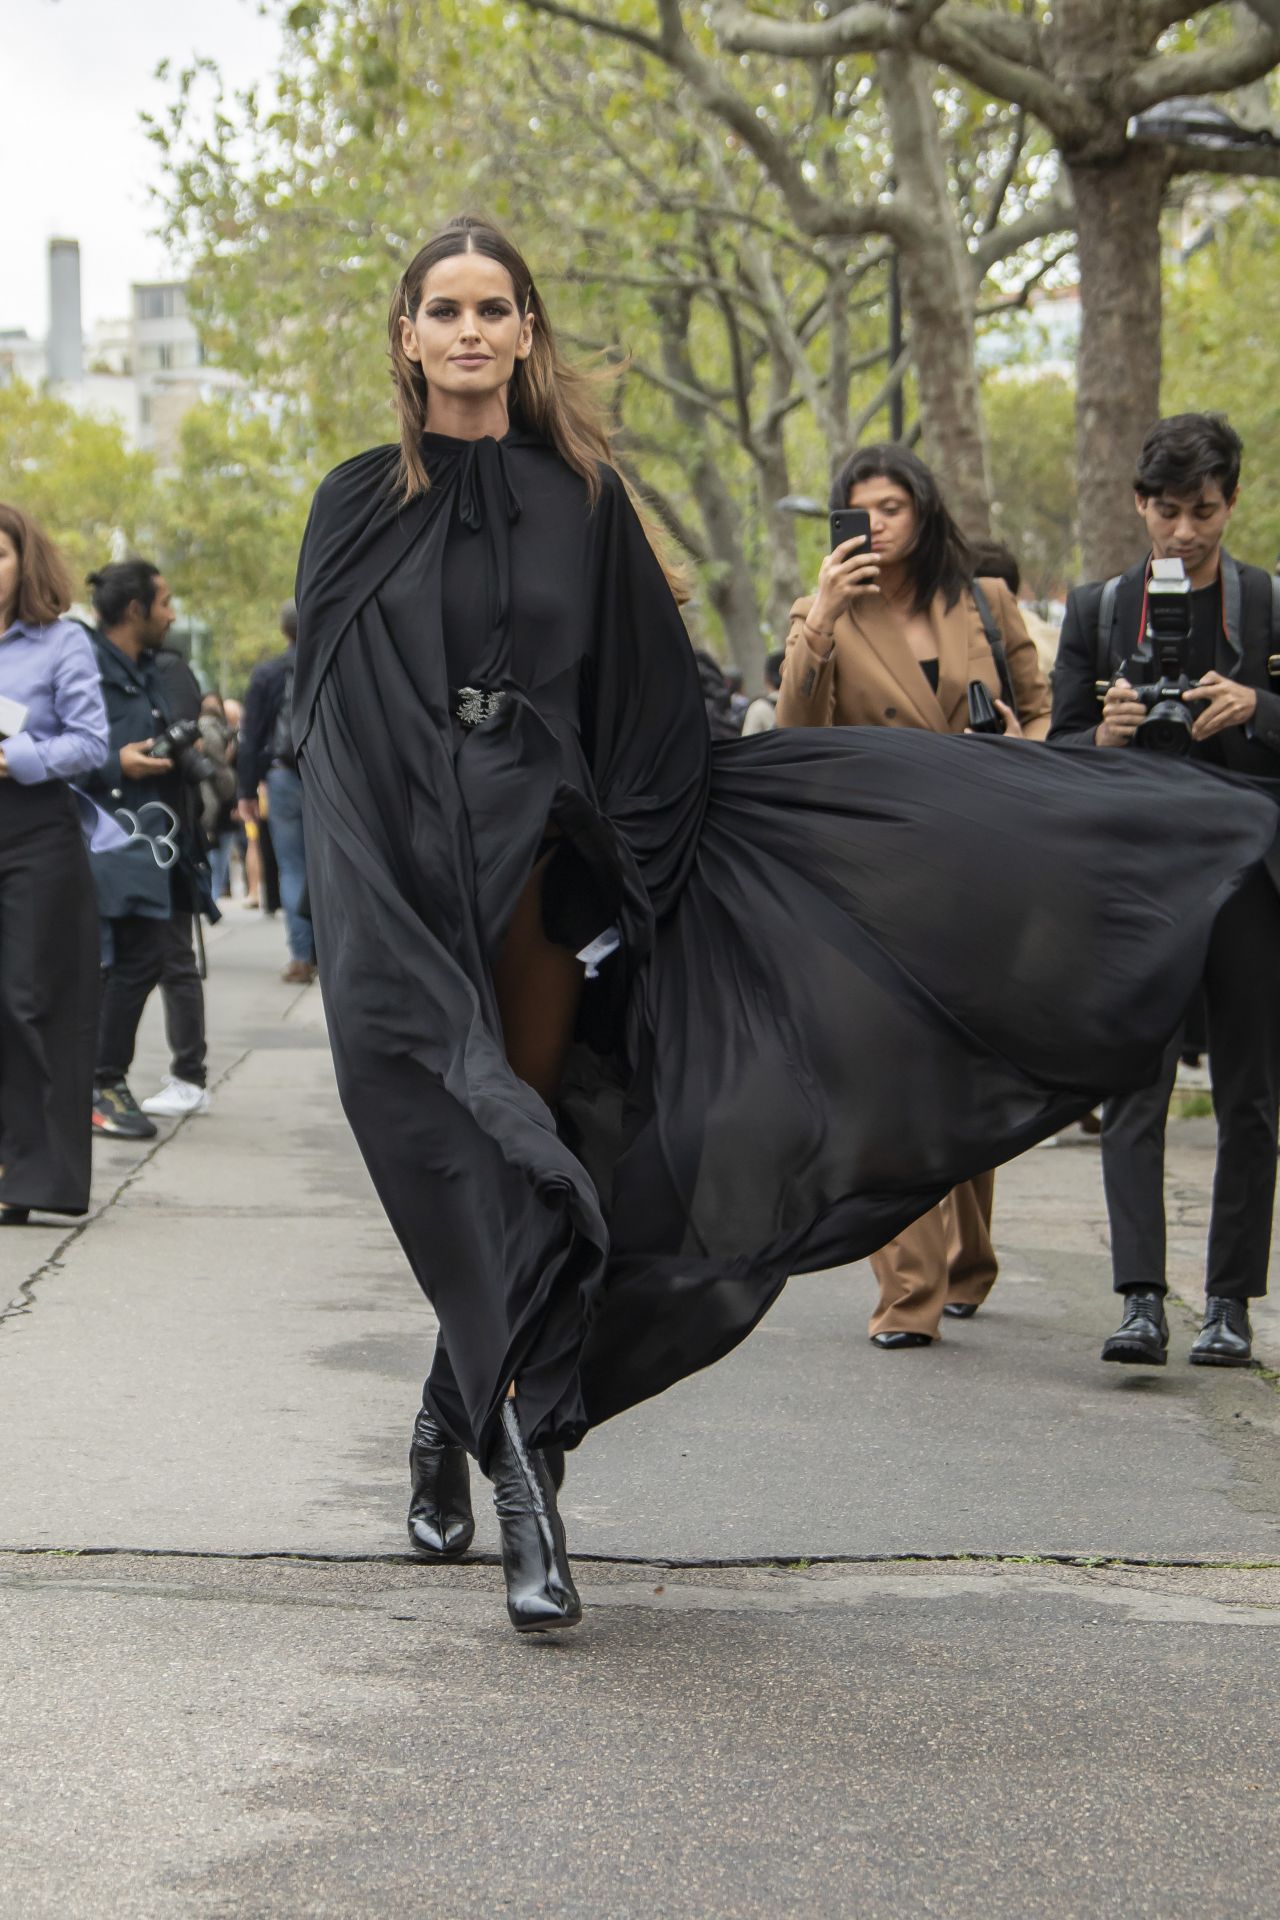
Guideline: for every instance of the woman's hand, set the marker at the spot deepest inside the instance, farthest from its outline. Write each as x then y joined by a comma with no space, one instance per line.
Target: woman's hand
847,570
1012,724
4,766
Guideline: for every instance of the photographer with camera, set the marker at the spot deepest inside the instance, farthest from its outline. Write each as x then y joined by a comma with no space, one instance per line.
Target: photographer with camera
1172,657
150,889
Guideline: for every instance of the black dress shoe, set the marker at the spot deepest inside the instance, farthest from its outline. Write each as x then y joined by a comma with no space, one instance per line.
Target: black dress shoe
14,1216
441,1523
961,1309
1142,1339
1226,1338
535,1560
890,1341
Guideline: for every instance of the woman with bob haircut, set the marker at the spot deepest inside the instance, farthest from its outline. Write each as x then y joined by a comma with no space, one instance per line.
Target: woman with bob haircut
629,1026
896,632
53,728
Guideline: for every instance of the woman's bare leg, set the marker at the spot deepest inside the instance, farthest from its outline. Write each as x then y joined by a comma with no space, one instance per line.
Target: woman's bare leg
538,985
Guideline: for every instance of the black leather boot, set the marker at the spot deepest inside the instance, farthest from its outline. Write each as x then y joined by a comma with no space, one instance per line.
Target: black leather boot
1226,1338
1142,1339
440,1518
535,1561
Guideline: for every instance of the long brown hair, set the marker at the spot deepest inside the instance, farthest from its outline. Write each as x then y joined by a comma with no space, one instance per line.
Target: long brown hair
547,393
44,584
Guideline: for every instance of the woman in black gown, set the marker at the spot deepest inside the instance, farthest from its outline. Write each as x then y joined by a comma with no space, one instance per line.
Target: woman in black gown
603,1170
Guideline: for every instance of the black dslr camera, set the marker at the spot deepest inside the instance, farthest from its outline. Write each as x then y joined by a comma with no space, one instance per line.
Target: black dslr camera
178,743
1157,672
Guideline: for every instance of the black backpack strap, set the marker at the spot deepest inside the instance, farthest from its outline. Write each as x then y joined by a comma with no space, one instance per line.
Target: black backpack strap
1106,627
995,640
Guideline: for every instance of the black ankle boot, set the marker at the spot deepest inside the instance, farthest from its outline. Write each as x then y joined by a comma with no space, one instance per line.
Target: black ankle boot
440,1519
535,1560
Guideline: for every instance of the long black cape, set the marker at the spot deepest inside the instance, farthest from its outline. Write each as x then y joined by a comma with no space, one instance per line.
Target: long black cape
858,966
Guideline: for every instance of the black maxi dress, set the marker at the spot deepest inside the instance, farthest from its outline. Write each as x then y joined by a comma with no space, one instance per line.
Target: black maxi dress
857,966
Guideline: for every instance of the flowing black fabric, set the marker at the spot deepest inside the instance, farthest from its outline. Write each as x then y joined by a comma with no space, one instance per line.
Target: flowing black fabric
858,965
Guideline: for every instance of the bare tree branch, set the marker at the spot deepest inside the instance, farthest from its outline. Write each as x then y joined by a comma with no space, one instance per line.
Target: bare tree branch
1022,295
1008,173
662,505
710,402
813,214
1054,215
1207,70
962,42
1263,163
896,375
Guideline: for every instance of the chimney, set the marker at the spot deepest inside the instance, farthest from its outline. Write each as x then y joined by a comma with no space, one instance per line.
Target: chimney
66,340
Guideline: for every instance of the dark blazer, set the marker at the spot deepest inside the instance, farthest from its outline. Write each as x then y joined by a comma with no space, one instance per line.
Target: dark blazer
1241,655
142,698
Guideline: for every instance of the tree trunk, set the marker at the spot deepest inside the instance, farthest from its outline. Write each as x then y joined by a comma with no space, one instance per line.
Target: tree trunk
1118,206
938,295
773,480
730,588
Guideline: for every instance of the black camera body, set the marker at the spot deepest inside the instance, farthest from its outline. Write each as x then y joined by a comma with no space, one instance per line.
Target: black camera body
178,743
1157,672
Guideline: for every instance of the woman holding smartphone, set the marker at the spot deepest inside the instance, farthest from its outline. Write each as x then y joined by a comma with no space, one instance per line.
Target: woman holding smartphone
896,634
630,1026
55,730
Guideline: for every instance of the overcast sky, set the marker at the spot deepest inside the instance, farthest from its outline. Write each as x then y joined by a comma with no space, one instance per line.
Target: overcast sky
74,160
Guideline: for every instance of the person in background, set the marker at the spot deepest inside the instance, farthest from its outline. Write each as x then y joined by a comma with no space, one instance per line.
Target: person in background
893,636
716,697
218,815
54,729
266,757
1186,485
993,560
738,701
149,891
762,715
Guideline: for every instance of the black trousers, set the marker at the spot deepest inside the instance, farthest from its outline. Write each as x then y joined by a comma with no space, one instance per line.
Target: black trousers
147,954
1242,1008
48,999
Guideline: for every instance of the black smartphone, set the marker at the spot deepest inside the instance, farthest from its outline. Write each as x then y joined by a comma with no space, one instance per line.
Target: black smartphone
847,523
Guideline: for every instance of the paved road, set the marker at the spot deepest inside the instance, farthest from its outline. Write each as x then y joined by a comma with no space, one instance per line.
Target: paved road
222,1364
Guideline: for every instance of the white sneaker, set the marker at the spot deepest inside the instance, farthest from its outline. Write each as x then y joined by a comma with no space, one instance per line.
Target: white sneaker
177,1098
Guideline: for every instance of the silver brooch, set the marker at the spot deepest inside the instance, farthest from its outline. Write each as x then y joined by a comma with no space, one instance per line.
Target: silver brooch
477,704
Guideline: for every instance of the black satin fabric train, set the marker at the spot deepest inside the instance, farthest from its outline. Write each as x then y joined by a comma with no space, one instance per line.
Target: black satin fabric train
858,965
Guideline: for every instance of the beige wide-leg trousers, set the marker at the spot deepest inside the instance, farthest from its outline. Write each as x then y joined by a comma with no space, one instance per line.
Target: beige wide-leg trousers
944,1255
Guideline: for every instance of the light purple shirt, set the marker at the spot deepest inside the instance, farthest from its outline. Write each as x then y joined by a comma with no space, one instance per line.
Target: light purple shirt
53,672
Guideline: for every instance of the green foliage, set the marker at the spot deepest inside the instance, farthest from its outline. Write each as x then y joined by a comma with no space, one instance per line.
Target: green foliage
230,520
752,354
1222,321
75,476
1031,425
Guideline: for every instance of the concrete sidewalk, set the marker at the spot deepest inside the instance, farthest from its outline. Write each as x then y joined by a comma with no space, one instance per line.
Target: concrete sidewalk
224,1361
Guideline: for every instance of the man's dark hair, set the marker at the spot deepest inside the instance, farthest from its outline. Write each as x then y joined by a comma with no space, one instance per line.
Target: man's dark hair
992,560
117,586
941,560
289,620
773,665
1181,453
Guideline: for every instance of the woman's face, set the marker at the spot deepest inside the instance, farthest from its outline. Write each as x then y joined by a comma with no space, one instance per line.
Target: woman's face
893,518
468,332
10,580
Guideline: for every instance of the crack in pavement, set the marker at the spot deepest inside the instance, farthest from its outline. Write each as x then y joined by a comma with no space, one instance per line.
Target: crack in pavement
319,1557
24,1301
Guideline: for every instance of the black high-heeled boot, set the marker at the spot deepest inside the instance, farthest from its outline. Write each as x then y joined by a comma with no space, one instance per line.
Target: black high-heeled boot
440,1518
535,1560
